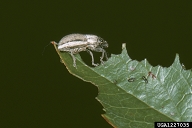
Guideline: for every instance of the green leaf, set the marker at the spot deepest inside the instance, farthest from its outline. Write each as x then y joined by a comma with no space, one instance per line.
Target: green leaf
136,94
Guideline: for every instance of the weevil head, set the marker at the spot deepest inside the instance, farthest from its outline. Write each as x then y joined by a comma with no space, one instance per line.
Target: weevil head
102,42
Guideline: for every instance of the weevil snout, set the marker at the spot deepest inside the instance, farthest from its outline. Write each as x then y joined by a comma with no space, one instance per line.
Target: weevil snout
104,44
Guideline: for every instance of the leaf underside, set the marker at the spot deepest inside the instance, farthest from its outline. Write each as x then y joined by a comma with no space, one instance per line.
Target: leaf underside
136,94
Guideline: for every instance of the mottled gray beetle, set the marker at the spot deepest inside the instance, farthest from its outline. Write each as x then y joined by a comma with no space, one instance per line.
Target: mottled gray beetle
75,43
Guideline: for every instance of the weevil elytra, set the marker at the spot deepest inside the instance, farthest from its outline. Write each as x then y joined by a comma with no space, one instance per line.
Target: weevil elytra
75,43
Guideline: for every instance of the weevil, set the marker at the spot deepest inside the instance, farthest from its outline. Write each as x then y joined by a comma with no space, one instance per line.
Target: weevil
75,43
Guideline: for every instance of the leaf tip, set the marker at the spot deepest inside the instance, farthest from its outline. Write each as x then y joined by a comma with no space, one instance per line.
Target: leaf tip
124,46
177,58
177,62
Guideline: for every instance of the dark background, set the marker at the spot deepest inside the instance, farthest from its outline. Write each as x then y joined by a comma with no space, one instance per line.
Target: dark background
38,92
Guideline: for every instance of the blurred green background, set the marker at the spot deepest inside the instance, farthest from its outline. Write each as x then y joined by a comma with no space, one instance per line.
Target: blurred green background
36,91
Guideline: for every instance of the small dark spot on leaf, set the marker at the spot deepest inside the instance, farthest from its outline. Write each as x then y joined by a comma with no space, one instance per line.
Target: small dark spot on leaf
131,79
145,79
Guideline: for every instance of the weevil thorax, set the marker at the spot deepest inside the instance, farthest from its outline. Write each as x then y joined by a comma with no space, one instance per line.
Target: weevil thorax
92,39
96,41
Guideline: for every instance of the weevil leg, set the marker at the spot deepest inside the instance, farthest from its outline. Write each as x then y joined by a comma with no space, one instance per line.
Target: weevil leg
99,49
101,58
74,60
92,58
104,53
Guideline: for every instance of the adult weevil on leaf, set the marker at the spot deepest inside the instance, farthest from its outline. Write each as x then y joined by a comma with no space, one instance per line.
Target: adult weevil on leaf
75,43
